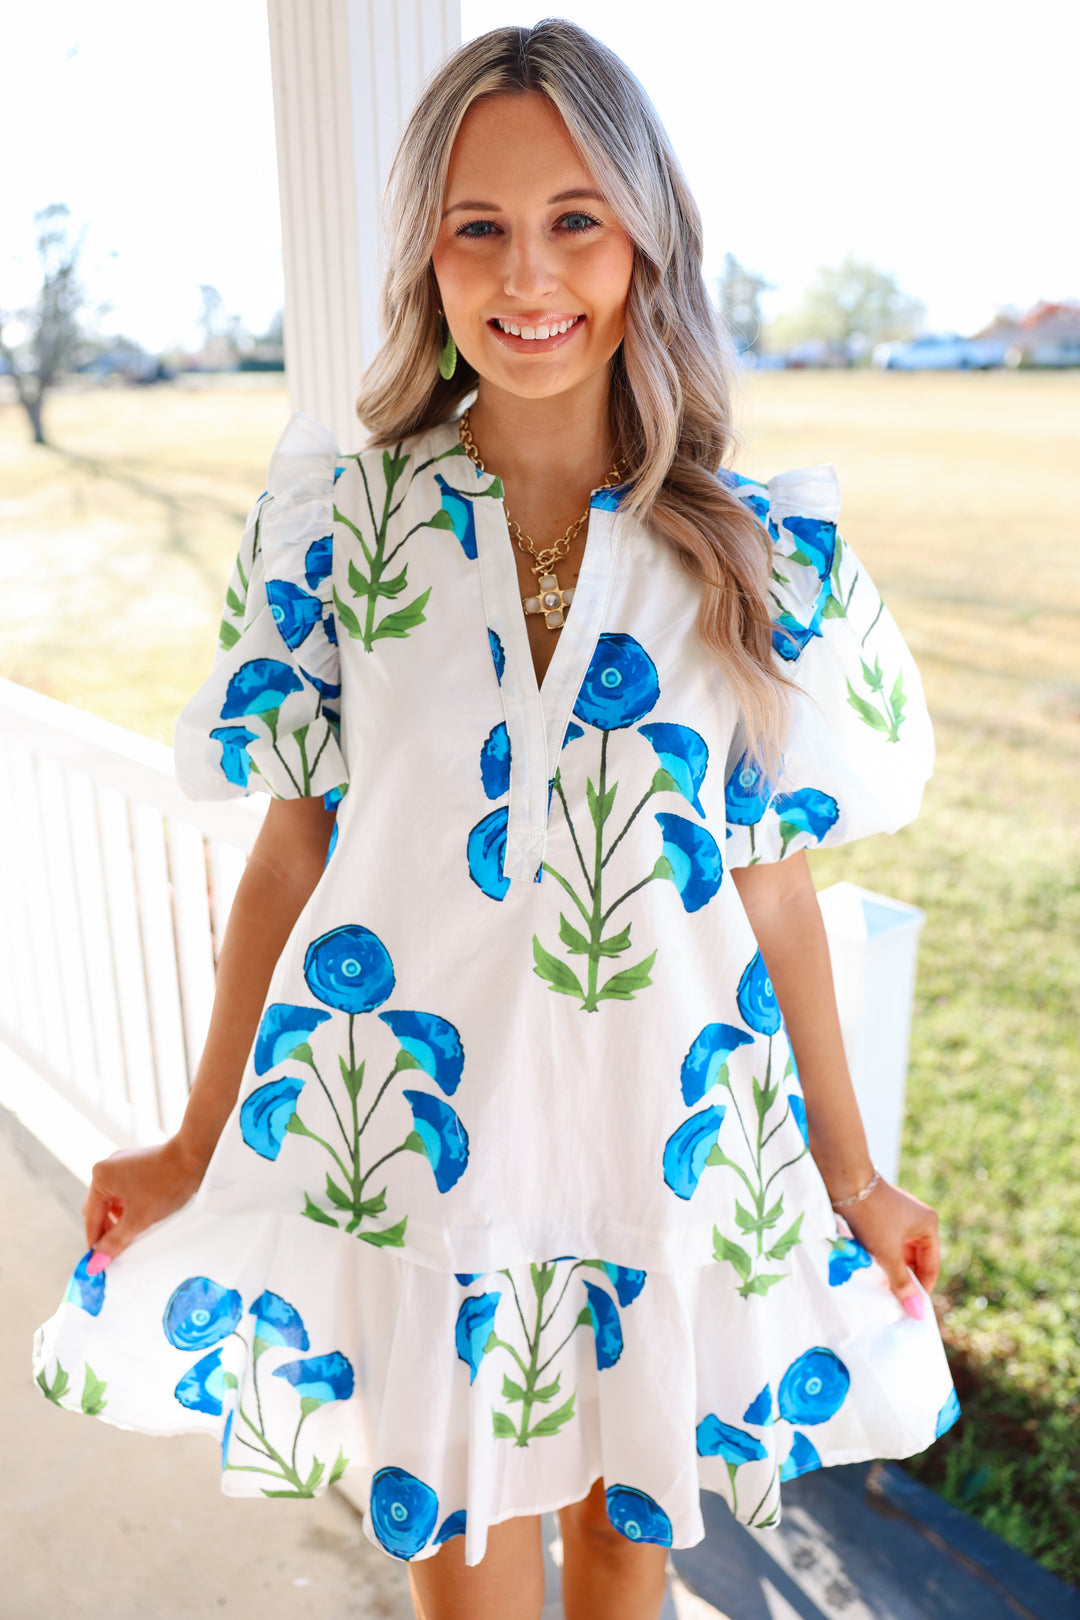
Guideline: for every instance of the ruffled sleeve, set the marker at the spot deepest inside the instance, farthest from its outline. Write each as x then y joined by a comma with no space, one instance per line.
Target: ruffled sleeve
268,717
859,747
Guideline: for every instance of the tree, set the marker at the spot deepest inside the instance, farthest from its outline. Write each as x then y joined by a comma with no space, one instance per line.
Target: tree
738,296
850,301
45,339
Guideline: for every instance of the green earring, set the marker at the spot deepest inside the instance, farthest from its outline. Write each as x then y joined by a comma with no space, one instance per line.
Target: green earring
447,355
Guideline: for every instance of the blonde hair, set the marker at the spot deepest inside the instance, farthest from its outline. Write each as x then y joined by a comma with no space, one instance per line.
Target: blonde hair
669,397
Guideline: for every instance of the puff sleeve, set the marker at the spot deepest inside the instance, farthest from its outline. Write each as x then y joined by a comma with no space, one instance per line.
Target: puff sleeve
268,719
859,747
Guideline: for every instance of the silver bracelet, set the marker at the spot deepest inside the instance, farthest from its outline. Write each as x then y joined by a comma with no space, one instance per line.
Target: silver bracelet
857,1198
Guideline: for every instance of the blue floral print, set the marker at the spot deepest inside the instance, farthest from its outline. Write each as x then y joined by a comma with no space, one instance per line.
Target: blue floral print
320,1378
498,655
284,1028
684,754
637,1516
443,1136
798,1114
295,612
265,1115
349,968
846,1258
688,1148
790,638
816,541
760,1409
628,1281
487,854
259,686
572,733
746,793
718,1439
607,1329
319,561
708,1055
809,810
814,1387
453,1525
620,686
277,1322
404,1511
757,998
201,1313
801,1459
948,1415
495,762
693,858
459,509
202,1388
433,1043
85,1291
473,1328
235,759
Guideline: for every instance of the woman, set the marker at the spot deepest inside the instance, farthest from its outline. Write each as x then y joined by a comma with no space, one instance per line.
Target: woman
595,696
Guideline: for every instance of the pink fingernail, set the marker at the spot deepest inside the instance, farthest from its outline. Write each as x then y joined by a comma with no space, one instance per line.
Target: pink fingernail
913,1304
97,1262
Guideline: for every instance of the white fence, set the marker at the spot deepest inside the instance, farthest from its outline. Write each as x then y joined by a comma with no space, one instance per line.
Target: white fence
114,893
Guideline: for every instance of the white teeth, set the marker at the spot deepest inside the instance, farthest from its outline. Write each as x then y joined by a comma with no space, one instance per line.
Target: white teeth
515,331
528,332
542,332
533,334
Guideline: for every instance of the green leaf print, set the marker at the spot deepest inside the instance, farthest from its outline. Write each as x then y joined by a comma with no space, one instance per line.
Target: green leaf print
623,986
341,1463
782,1245
404,620
93,1395
391,1237
347,618
761,1283
233,603
558,975
395,586
314,1213
555,1420
57,1389
833,608
502,1426
725,1249
866,711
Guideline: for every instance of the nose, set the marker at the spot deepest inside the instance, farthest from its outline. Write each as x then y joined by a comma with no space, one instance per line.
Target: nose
529,273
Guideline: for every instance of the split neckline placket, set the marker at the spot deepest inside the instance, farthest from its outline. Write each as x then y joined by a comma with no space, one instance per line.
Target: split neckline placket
537,714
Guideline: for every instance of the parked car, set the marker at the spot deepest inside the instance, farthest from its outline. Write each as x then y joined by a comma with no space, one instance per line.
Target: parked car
939,351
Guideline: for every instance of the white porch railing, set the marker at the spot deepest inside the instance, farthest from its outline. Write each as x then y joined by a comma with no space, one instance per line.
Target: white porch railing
114,894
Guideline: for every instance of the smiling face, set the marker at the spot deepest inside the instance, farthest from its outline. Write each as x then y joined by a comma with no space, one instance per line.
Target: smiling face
532,265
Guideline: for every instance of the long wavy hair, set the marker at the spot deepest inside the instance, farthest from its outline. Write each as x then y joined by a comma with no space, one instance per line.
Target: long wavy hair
669,397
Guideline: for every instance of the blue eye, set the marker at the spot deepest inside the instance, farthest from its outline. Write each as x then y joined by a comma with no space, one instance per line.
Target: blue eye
476,228
584,222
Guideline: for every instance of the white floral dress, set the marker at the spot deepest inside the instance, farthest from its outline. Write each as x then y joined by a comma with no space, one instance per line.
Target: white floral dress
517,1192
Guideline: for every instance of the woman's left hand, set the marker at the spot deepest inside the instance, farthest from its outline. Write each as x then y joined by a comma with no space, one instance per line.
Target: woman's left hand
901,1233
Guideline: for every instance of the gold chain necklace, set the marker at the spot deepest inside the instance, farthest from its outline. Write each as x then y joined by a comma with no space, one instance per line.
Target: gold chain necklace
552,600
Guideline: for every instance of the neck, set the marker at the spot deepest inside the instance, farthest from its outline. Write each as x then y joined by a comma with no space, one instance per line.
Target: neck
525,441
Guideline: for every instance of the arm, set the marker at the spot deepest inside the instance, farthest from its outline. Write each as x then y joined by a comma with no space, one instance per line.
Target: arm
138,1186
898,1230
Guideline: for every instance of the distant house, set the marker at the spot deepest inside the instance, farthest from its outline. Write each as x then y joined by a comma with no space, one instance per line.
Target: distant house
1048,335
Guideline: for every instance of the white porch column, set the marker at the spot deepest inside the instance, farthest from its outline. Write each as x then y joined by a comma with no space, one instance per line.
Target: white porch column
345,74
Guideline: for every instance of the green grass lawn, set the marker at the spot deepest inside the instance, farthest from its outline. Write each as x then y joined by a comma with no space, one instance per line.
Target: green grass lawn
960,495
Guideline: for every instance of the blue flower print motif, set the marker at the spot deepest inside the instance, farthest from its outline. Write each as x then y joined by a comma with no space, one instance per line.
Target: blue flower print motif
325,689
320,1378
495,762
746,793
760,1409
460,512
606,500
637,1516
693,855
814,1387
757,998
573,732
453,1525
474,1327
467,1277
684,754
201,1313
226,1436
283,1028
445,1140
498,655
265,1115
948,1415
707,1056
330,629
620,686
350,969
801,1459
790,638
319,561
628,1282
404,1511
687,1149
202,1388
433,1043
817,542
235,759
758,504
717,1439
798,1114
333,798
809,810
846,1258
278,1322
88,1293
487,853
295,612
259,685
607,1329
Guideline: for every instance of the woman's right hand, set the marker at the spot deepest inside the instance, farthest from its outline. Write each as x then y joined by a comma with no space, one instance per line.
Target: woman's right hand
132,1189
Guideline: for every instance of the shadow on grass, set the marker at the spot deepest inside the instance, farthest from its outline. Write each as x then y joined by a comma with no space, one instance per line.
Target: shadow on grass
1011,1461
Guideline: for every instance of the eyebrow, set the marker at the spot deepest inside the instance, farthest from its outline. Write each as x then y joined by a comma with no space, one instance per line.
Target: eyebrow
493,208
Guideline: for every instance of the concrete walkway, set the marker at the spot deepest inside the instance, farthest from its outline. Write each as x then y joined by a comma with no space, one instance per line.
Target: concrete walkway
100,1524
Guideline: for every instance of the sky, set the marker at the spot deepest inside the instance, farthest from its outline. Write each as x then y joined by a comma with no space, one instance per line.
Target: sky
935,139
